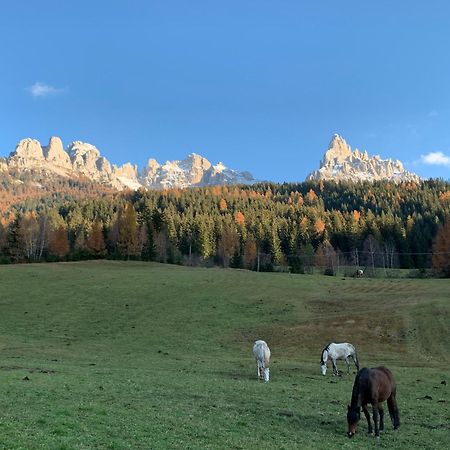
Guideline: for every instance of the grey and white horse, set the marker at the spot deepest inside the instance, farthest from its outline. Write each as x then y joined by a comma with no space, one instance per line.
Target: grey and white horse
338,351
261,352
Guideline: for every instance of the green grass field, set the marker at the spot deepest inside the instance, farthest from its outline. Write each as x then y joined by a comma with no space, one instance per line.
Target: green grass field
116,355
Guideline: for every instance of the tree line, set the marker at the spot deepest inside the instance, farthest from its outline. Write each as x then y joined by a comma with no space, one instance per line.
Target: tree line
265,226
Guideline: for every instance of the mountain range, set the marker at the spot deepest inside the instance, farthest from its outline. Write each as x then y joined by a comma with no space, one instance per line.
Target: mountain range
80,159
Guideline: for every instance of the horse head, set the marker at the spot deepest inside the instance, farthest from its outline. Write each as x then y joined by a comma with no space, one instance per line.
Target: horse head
353,416
323,367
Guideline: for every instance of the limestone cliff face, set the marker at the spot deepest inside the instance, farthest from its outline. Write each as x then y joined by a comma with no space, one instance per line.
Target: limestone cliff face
28,153
83,159
340,163
54,154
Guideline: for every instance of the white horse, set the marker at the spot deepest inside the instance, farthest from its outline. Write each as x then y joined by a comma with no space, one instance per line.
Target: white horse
338,351
262,355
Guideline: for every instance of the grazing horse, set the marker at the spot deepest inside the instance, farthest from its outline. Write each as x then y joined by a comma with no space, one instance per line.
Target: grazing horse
373,386
262,355
338,351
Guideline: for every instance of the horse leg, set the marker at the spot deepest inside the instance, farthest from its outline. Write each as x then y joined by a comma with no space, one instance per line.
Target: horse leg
393,410
355,360
376,417
369,422
381,411
348,365
335,370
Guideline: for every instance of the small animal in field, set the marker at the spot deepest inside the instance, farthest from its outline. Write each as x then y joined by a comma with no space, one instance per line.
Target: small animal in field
262,355
338,351
359,273
372,386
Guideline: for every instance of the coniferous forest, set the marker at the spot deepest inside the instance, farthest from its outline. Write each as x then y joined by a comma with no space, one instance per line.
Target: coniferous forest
263,227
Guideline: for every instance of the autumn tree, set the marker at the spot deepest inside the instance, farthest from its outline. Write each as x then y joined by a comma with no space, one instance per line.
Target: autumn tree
250,253
128,233
95,241
227,244
223,205
59,242
441,249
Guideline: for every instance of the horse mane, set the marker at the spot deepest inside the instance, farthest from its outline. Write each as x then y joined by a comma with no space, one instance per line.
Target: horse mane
357,387
325,348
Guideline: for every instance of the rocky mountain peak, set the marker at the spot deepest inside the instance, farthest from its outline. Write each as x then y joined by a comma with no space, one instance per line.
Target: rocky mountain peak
338,150
28,152
340,163
55,154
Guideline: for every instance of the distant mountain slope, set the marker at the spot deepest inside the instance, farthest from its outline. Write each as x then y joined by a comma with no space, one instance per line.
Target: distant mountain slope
340,163
81,159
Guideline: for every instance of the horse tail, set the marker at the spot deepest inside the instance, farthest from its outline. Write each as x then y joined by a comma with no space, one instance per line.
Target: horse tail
356,361
262,353
393,410
266,356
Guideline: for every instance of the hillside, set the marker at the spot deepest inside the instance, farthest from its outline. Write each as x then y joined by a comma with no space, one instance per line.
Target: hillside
104,355
264,226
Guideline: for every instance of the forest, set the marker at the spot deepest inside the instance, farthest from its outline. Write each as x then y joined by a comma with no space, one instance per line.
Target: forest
265,227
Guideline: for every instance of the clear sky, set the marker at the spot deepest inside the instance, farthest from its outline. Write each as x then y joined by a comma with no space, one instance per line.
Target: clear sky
260,85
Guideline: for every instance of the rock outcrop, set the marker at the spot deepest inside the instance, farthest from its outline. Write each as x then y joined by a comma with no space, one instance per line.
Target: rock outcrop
340,163
54,154
83,159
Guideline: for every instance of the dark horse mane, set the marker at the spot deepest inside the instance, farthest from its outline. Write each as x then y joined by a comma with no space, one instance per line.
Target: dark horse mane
325,348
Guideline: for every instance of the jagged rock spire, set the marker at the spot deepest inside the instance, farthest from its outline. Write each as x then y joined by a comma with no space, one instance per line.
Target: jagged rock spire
340,163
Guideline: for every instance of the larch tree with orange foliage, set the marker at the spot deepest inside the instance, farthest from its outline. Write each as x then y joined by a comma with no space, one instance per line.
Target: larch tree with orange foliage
441,250
95,242
223,205
128,233
59,242
319,226
239,218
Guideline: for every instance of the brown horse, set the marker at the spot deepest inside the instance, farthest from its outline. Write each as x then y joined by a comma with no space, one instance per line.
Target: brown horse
373,386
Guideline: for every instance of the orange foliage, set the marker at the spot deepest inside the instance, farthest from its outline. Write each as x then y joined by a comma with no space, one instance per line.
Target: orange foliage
239,218
319,226
356,215
311,196
441,249
216,190
59,242
223,205
445,197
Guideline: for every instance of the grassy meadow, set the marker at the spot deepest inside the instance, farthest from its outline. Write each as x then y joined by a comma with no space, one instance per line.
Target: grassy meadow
129,355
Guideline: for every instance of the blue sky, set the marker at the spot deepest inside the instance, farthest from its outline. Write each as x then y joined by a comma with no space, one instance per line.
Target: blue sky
259,85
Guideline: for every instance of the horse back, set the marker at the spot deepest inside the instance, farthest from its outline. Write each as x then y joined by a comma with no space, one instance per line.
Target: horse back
376,384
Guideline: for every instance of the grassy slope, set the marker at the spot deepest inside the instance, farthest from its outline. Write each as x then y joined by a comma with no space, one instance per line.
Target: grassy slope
134,355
